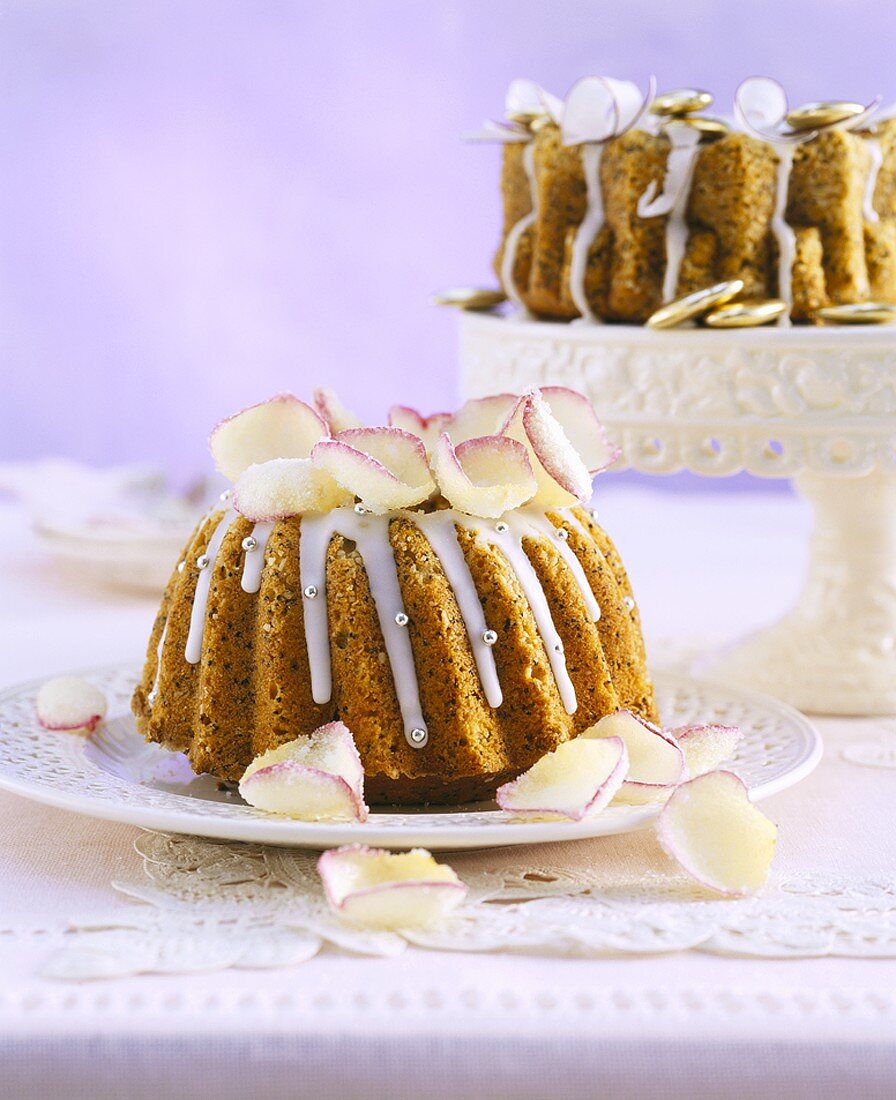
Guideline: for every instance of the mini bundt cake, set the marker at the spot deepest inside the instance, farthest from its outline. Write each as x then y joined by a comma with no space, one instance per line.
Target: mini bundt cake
616,202
348,577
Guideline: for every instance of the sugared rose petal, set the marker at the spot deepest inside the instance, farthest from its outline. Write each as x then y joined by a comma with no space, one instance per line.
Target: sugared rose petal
70,703
576,416
656,763
379,889
283,427
711,828
314,778
562,476
427,428
285,487
337,416
483,477
575,781
385,468
705,747
480,416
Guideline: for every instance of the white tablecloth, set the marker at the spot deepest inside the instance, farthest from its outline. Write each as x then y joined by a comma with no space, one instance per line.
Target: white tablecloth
705,566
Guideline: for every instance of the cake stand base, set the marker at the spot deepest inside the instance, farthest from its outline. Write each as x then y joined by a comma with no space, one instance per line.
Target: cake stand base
817,405
835,652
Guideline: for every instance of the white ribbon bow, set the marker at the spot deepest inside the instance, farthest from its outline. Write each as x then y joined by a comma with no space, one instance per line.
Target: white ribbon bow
524,97
600,107
760,104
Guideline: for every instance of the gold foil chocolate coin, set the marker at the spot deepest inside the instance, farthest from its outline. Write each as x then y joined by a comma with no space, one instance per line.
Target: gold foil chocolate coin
680,101
812,116
859,313
694,305
711,129
750,313
469,297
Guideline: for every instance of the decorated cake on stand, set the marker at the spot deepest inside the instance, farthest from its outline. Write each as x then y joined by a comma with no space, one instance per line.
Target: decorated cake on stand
747,271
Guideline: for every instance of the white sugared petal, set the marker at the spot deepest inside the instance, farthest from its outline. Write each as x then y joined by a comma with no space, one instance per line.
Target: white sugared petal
283,427
656,763
336,415
313,778
285,487
483,477
710,827
480,416
70,703
426,428
380,889
385,468
706,747
562,476
575,781
576,416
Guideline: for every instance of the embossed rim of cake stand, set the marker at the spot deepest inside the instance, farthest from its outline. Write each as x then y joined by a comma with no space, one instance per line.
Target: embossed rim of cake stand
115,775
816,404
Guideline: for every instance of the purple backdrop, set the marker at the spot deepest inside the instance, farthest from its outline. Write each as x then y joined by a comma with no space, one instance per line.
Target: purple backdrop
205,202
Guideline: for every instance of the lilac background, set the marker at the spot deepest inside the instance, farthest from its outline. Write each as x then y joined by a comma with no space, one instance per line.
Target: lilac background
206,202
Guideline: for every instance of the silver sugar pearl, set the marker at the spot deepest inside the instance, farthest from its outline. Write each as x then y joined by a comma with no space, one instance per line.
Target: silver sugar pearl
401,619
502,528
418,737
490,636
249,543
629,603
226,495
202,562
360,509
558,648
310,591
562,534
181,566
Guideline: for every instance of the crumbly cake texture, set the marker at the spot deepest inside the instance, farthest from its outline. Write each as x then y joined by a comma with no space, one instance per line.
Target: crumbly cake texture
840,255
251,690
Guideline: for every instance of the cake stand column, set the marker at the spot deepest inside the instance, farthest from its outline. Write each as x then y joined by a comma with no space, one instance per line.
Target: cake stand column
835,652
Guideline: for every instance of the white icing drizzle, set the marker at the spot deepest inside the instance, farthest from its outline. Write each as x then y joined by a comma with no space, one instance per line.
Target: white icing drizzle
508,260
784,234
587,230
541,525
154,690
442,535
870,214
193,650
253,563
676,223
510,543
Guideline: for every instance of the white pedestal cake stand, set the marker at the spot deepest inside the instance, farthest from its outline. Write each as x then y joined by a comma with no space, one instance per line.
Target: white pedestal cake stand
814,404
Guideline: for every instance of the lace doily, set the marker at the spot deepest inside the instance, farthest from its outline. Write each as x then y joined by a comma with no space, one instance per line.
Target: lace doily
208,905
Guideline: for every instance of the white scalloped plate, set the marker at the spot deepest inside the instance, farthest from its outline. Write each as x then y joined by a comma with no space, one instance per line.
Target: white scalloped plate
114,774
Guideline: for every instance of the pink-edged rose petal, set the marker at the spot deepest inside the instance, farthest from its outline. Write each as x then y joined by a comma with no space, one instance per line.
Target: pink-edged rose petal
386,468
656,763
285,487
336,415
318,777
575,781
375,888
483,477
70,703
480,416
283,427
426,428
562,476
576,416
713,831
706,747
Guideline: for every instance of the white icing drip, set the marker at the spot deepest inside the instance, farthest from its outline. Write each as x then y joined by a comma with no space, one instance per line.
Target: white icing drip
154,691
539,523
587,230
676,224
371,536
193,649
510,544
870,214
784,234
440,530
508,260
253,563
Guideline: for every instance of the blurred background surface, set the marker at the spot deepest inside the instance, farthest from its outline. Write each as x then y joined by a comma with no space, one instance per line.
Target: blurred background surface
207,202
